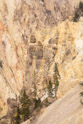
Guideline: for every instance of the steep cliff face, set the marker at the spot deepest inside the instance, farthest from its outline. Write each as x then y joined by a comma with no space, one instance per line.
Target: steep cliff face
31,43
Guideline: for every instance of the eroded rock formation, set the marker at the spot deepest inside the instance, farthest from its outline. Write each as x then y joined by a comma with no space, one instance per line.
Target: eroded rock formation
34,34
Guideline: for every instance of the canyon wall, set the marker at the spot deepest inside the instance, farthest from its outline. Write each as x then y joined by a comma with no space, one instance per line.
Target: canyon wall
34,34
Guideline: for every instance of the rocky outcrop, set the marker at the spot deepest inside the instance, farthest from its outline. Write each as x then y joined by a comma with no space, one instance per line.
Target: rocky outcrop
34,34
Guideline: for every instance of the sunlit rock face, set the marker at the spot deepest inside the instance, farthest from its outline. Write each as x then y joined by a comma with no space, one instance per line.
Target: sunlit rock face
34,34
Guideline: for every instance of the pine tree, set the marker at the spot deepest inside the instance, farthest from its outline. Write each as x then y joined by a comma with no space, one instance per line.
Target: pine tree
78,12
50,89
34,83
37,103
25,106
17,118
56,78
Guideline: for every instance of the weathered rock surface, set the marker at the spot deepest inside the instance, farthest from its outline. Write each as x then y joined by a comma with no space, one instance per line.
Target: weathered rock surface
31,43
66,110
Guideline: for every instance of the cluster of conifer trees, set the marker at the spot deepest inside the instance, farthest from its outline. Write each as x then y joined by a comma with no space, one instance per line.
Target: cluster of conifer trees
53,86
23,108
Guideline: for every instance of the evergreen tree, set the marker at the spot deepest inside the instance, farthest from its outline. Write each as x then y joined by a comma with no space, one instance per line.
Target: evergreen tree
34,84
37,103
56,78
50,89
25,106
76,17
17,118
78,12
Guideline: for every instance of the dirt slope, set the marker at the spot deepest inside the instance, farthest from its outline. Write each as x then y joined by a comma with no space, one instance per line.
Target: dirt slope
64,110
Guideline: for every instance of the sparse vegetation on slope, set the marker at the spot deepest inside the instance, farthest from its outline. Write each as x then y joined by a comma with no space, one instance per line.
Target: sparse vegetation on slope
24,108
